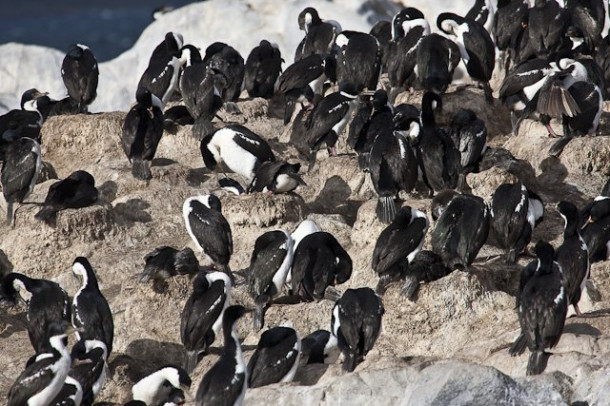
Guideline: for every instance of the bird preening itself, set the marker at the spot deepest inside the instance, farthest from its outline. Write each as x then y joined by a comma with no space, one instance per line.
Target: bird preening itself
76,191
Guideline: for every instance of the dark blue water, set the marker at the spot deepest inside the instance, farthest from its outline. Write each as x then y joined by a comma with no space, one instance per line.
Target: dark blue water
108,27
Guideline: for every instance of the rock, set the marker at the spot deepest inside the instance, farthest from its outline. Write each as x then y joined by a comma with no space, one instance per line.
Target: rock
29,66
427,383
591,386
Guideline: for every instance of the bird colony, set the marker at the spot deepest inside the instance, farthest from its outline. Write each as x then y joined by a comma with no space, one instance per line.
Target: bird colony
250,222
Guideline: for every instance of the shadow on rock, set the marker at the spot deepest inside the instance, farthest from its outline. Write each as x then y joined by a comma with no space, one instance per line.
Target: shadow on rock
133,211
107,191
162,162
197,176
581,329
12,323
551,183
334,199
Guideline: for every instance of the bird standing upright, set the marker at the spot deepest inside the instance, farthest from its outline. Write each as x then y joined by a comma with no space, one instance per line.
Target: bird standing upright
142,131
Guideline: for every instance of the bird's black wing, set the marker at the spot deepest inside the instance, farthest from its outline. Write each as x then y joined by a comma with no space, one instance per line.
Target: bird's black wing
252,143
269,254
325,115
33,380
200,313
301,73
17,172
154,132
220,386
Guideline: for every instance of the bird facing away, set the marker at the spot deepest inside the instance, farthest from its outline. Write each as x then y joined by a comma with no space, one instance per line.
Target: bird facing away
319,263
398,244
269,266
542,306
142,131
276,357
209,229
80,75
20,171
202,314
263,66
356,322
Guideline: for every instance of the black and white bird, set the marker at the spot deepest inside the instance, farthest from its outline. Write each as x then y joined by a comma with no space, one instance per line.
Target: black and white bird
226,382
461,230
238,148
319,35
483,12
470,135
520,87
198,87
319,347
589,99
74,192
89,368
80,75
397,245
476,47
276,357
263,67
515,211
436,58
20,171
164,262
319,262
224,59
573,255
155,388
91,314
393,168
596,229
437,155
71,393
24,122
209,229
171,46
163,72
202,314
276,177
46,303
269,265
303,82
142,131
509,25
542,306
356,322
409,27
43,379
304,228
329,118
358,59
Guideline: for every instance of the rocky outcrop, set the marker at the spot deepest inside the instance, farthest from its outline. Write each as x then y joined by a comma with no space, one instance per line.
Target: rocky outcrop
448,345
